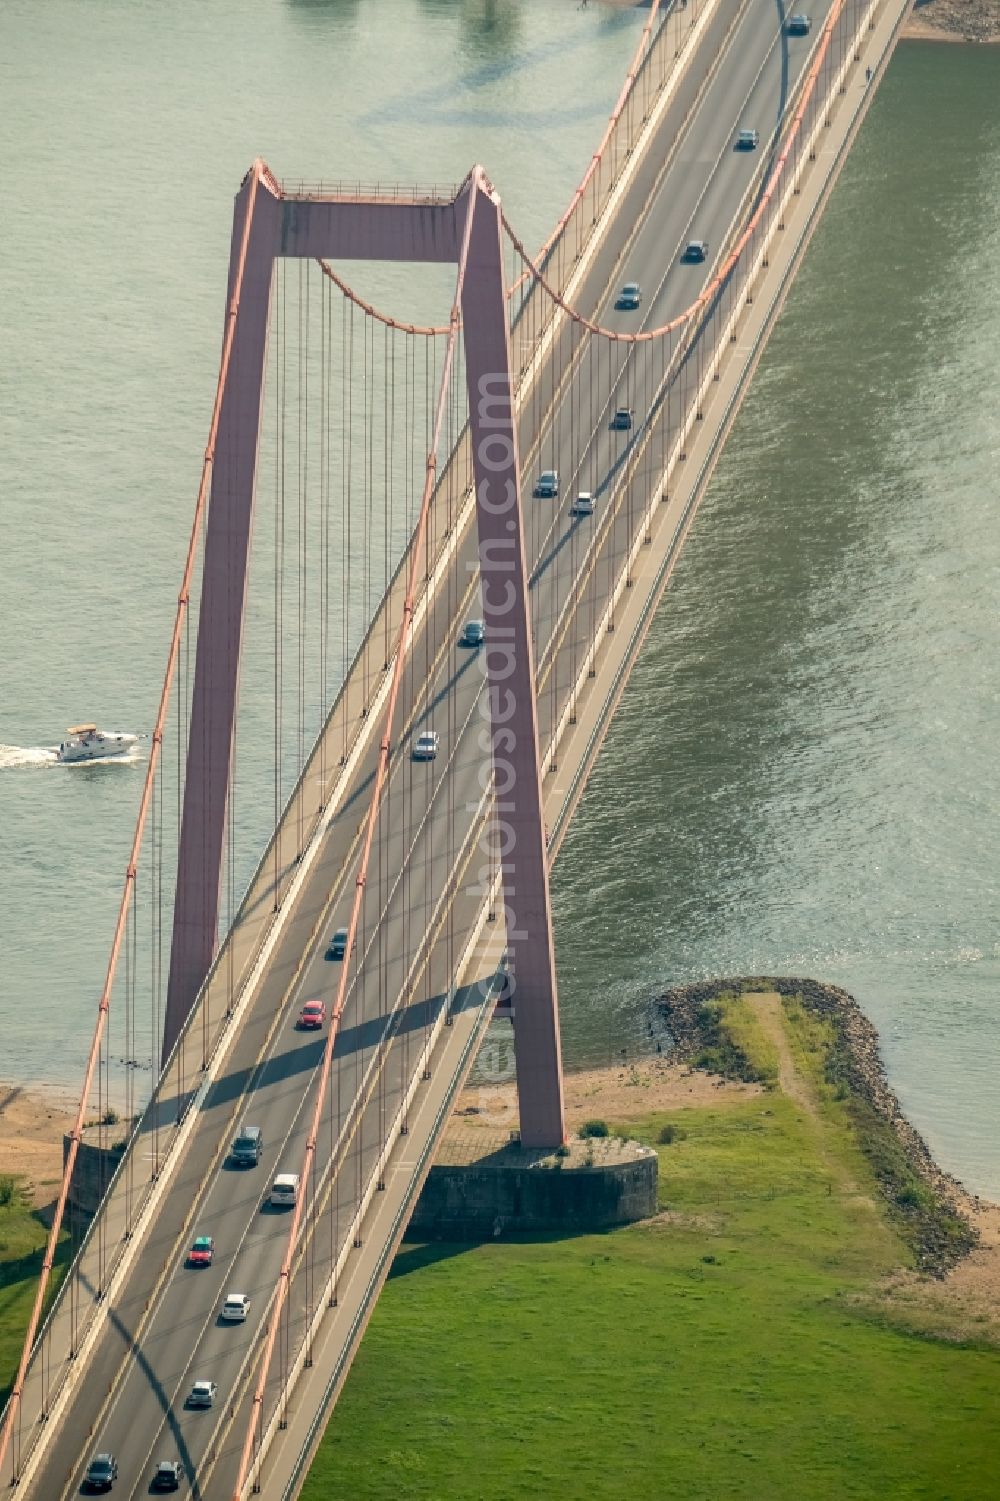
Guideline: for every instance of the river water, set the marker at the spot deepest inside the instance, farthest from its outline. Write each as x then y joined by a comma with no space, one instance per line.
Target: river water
802,775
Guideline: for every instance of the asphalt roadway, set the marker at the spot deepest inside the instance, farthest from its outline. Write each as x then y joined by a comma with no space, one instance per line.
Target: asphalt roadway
164,1330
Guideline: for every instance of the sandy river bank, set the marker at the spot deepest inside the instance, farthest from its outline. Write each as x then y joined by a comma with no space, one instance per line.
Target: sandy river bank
32,1125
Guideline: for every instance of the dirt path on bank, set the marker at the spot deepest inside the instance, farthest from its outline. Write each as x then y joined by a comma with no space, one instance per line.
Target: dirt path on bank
771,1014
966,1303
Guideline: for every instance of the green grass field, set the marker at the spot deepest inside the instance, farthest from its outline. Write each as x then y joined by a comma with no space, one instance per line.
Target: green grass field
720,1351
22,1241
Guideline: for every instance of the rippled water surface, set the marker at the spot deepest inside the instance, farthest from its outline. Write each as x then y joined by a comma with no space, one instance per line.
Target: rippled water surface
802,777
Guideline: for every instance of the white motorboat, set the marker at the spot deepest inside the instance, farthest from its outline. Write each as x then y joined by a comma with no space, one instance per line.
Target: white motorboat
85,742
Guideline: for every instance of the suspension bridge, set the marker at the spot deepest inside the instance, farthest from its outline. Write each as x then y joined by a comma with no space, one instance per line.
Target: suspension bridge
459,531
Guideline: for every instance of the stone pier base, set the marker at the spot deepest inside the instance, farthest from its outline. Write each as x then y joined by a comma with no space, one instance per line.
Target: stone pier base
482,1184
483,1187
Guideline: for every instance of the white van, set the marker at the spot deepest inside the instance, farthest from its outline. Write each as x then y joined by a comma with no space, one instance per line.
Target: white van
285,1188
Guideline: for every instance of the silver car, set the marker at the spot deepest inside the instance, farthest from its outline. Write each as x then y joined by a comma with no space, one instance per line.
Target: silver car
425,747
202,1394
102,1472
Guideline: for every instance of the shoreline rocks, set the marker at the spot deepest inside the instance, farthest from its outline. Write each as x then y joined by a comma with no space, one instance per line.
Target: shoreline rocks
954,21
935,1221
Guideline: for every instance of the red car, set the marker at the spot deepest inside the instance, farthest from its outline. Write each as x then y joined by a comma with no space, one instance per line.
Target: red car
313,1014
202,1251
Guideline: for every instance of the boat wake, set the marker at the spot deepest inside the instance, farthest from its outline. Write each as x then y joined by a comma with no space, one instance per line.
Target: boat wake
14,757
27,757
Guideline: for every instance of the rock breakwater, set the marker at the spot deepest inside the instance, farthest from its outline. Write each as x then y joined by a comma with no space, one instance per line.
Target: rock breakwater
925,1200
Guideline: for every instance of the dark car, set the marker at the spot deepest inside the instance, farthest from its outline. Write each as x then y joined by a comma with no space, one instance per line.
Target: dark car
474,633
247,1147
695,250
168,1475
338,945
629,297
548,483
622,420
798,25
747,140
102,1472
